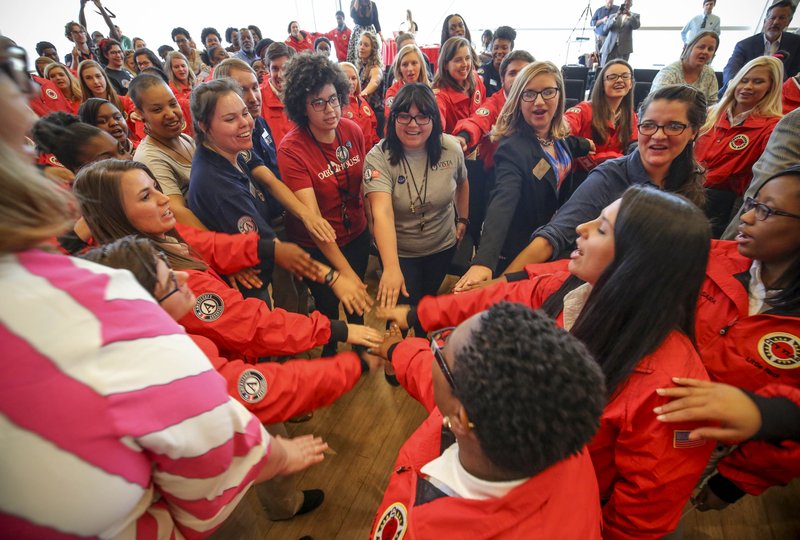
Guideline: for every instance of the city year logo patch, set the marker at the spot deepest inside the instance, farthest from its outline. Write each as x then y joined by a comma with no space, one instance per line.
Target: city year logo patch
393,523
483,111
780,350
575,110
208,307
739,142
246,225
49,92
389,102
252,386
367,110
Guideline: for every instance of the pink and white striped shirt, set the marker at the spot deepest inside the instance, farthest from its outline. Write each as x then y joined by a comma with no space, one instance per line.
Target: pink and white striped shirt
113,423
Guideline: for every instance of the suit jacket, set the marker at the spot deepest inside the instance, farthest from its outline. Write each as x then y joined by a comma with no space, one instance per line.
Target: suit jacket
753,47
620,34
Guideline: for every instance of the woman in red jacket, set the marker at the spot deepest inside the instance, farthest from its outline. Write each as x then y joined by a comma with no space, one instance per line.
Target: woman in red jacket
736,133
630,296
95,83
459,91
358,109
607,118
181,77
119,198
519,399
66,83
408,67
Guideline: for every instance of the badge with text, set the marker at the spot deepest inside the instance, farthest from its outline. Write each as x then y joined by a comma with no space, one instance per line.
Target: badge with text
252,386
393,523
541,169
780,350
246,224
739,142
208,307
342,153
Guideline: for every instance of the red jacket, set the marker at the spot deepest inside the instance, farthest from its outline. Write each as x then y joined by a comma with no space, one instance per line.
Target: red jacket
478,125
273,112
359,111
645,470
242,327
305,44
275,392
579,119
49,99
791,95
455,106
729,152
391,92
340,39
561,502
750,352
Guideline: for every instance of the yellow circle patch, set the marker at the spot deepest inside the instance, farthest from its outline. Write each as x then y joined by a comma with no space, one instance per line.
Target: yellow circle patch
393,523
780,350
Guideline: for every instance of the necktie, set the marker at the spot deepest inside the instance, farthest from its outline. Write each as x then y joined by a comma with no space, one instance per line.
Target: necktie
705,20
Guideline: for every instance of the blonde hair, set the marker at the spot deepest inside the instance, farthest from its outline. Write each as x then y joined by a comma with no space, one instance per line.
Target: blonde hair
355,70
33,208
74,85
770,105
511,120
111,94
423,67
192,78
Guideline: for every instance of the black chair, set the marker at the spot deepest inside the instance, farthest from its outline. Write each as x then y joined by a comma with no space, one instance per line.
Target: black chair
720,76
575,89
578,73
640,92
571,102
644,75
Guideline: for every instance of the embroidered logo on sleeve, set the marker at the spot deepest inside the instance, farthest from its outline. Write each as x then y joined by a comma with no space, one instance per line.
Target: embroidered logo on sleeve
739,142
389,102
575,110
780,350
49,92
366,110
393,523
477,97
246,225
680,439
483,111
252,386
371,174
208,307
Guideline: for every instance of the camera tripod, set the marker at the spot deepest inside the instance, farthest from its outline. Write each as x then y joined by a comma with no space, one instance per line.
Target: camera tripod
584,19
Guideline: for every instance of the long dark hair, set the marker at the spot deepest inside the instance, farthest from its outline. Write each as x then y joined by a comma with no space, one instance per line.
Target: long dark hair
65,136
446,29
602,113
421,96
661,246
685,177
97,188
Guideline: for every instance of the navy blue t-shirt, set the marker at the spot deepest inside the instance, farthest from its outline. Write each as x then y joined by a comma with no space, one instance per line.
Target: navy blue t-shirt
264,149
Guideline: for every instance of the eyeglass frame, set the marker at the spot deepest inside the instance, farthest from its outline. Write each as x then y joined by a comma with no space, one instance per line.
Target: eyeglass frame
662,128
751,204
438,355
415,118
537,94
176,287
612,77
333,101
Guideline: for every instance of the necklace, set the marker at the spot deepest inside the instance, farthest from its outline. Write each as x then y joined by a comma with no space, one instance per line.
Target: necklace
184,157
422,194
544,142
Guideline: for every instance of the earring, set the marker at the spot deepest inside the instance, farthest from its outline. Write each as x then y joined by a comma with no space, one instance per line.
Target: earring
146,128
446,422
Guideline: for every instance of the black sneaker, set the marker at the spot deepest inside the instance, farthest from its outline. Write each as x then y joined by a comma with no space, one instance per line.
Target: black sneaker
312,498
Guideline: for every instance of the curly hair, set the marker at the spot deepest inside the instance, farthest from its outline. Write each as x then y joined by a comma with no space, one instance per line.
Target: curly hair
305,76
209,31
533,391
180,30
374,58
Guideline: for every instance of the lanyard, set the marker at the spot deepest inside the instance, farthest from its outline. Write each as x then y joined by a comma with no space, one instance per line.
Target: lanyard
422,195
341,152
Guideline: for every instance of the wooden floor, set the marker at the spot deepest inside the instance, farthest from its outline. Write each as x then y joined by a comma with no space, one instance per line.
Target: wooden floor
367,426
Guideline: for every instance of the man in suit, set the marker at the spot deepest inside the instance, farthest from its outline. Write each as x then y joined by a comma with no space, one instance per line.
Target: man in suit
599,20
619,27
772,39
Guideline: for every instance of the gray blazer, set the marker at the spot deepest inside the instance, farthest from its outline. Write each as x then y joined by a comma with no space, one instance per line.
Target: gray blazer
620,34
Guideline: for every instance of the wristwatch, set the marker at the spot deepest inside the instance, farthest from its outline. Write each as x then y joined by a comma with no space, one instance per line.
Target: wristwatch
463,220
329,276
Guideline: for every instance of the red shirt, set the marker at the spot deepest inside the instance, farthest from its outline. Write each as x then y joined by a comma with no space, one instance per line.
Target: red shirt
478,125
305,44
340,39
791,95
274,114
305,163
184,92
359,111
455,105
579,119
729,152
391,92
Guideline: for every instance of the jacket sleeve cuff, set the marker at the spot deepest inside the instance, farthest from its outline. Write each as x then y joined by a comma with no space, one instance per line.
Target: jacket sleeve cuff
266,250
522,275
725,489
780,418
465,135
338,331
411,317
390,352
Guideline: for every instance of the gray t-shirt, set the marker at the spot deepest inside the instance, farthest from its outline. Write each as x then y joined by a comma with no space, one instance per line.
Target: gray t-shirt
406,183
172,175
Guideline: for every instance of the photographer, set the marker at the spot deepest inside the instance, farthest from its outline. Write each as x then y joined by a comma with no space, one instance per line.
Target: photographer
619,27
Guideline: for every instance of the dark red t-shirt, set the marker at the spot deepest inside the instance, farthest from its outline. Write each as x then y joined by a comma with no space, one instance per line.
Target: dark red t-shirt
333,171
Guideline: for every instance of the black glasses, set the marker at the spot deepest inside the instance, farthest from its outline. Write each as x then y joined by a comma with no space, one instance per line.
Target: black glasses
611,77
763,211
439,356
319,103
174,280
673,129
421,119
547,93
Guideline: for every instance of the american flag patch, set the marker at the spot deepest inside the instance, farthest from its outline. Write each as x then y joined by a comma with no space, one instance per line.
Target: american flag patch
680,439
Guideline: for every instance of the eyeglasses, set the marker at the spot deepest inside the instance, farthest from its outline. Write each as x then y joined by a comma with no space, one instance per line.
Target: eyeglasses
673,129
174,280
439,356
611,77
547,94
404,119
319,103
763,211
